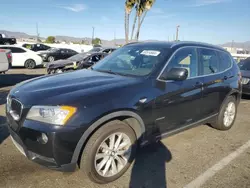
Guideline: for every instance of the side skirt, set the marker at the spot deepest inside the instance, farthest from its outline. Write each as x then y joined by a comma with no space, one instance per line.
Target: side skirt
173,132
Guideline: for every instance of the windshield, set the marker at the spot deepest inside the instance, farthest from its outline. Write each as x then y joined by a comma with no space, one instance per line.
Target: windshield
78,57
133,60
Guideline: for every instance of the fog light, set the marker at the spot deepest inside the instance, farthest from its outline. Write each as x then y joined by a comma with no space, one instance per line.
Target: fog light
43,139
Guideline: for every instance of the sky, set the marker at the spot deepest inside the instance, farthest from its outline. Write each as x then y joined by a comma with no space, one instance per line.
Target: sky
212,21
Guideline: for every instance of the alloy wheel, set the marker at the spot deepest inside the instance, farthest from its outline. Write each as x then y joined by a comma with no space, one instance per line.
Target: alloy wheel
229,114
113,154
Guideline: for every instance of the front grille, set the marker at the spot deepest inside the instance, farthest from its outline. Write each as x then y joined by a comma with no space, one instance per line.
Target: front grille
16,106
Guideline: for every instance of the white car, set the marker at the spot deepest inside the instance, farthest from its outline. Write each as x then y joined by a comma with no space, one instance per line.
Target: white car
22,57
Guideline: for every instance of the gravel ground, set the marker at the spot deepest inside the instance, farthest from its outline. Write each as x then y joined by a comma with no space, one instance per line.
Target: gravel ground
174,162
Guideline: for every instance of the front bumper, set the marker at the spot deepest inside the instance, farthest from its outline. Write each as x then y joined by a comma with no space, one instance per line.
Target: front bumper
55,154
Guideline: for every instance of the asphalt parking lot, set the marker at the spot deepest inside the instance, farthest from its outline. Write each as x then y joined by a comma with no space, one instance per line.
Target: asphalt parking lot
199,157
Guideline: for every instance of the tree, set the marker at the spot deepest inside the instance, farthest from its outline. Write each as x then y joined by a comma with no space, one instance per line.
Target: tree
129,5
96,41
141,7
50,39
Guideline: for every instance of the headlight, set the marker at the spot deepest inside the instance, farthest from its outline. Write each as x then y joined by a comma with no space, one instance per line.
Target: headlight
245,80
57,115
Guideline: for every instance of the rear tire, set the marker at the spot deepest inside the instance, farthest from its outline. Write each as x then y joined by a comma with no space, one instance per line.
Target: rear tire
30,64
227,115
6,43
116,165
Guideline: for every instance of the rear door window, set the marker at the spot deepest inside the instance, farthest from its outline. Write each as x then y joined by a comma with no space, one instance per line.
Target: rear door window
14,49
225,61
209,62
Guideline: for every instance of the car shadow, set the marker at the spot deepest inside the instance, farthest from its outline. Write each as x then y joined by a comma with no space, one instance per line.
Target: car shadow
4,132
13,79
149,169
246,97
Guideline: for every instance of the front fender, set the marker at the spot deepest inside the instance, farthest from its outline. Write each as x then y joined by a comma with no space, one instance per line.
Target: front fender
99,122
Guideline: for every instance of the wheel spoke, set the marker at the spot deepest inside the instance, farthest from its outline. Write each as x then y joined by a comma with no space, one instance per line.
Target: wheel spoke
100,155
113,167
122,145
117,143
105,146
120,161
112,141
102,163
107,166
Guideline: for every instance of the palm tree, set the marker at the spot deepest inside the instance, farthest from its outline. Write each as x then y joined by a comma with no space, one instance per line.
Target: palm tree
142,10
129,5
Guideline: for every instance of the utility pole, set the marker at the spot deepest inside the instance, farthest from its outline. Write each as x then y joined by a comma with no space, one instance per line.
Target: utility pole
115,38
37,33
177,32
93,34
232,45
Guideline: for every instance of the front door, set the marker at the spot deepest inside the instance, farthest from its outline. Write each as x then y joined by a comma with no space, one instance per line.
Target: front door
178,102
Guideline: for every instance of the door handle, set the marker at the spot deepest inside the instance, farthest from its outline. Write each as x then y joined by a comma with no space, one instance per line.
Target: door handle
198,84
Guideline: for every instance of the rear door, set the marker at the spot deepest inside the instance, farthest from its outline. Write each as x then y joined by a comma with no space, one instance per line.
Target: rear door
215,69
178,103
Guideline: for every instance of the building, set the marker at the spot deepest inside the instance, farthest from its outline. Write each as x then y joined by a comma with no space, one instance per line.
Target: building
238,53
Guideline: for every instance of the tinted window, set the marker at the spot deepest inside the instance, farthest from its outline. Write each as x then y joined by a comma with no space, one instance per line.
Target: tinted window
225,62
185,58
14,49
244,65
96,58
209,62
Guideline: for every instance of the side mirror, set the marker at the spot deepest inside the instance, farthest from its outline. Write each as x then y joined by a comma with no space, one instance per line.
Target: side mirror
176,74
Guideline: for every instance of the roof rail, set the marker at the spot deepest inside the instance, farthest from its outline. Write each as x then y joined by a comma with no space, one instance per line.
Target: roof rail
131,43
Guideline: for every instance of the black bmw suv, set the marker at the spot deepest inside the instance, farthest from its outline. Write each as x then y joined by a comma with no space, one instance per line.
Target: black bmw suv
96,118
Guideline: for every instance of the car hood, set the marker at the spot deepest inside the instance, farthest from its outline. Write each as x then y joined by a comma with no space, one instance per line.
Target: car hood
59,63
65,87
245,73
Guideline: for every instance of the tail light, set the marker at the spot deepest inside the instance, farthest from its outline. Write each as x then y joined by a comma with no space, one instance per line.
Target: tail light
9,56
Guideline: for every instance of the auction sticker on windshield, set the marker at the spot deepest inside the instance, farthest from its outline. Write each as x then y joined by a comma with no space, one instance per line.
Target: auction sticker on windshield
150,52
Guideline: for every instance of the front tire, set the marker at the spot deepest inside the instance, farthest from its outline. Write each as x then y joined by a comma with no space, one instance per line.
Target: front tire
51,59
227,114
30,64
109,152
6,43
